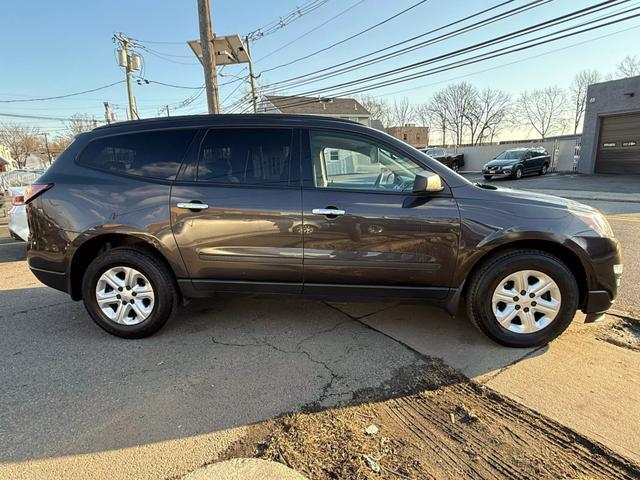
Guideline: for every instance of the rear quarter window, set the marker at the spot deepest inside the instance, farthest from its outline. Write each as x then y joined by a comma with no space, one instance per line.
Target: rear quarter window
157,154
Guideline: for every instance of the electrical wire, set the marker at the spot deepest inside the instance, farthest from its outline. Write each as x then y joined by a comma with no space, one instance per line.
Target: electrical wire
308,32
351,37
281,22
334,70
478,46
40,99
483,57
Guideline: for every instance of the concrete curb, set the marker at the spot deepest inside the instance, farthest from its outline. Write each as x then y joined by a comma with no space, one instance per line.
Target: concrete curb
244,469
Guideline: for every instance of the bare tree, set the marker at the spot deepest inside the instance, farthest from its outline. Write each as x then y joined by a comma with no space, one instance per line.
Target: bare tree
578,90
457,100
80,122
437,115
401,112
628,67
379,109
59,144
486,114
22,142
543,110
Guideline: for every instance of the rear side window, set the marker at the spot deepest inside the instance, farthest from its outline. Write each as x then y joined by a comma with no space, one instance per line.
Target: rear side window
148,154
247,156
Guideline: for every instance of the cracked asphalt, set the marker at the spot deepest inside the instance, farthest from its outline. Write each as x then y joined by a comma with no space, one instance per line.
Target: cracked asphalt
74,395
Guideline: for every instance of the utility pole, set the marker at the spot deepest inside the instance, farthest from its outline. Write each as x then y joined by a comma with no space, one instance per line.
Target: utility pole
46,142
125,60
252,78
208,56
107,112
167,107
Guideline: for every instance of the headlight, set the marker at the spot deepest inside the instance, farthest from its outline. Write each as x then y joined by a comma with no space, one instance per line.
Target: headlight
596,221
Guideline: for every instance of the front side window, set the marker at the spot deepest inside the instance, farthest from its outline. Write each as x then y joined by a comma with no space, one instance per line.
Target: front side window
155,154
247,156
361,164
511,155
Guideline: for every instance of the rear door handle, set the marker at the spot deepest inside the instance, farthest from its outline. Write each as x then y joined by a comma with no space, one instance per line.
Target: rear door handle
192,205
327,211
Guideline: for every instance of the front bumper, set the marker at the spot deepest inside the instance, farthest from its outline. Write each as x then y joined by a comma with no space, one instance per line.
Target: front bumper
604,274
496,173
57,280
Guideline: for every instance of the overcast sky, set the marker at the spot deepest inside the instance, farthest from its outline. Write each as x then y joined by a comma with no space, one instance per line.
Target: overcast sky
53,48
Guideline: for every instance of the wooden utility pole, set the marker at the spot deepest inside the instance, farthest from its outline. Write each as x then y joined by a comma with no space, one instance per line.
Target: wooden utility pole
252,78
208,56
46,142
107,112
124,42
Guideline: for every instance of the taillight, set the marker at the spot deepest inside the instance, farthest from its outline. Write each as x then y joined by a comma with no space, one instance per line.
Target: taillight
35,190
17,200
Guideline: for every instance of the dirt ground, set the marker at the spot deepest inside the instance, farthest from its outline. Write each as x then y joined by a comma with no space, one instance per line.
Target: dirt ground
623,332
439,426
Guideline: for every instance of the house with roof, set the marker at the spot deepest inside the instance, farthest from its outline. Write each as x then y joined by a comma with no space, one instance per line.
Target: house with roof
344,108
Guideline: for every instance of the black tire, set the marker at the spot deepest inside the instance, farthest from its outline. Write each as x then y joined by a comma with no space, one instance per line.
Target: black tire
454,166
544,169
161,279
486,279
517,173
488,177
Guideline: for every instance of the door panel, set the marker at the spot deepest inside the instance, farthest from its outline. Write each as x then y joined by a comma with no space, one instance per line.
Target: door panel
381,233
245,234
382,239
248,231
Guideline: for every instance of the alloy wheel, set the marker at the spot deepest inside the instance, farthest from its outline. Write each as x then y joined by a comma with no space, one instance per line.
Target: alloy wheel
125,295
526,301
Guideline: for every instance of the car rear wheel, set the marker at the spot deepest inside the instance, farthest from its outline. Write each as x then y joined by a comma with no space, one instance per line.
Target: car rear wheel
454,166
522,298
129,293
517,173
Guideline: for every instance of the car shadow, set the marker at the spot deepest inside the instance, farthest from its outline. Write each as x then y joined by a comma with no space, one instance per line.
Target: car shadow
69,388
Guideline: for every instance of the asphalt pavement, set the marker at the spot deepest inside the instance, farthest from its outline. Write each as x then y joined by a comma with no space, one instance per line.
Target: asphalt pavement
77,400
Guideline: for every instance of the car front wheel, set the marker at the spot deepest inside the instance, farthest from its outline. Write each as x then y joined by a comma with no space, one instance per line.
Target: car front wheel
517,173
129,293
522,298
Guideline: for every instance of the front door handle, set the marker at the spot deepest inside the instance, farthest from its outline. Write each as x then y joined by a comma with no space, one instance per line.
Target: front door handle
328,211
192,205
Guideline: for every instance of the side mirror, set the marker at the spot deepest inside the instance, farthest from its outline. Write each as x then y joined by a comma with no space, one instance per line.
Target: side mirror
427,182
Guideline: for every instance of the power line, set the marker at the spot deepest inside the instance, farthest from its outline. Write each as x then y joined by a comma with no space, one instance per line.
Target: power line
147,81
308,32
478,46
351,37
334,70
483,57
37,117
63,96
281,22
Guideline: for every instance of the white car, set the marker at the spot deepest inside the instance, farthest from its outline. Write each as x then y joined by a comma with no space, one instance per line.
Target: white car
18,227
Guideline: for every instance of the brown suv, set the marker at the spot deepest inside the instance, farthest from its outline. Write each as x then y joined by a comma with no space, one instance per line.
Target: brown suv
136,217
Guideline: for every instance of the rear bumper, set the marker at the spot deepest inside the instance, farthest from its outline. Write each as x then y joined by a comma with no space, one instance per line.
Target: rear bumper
57,280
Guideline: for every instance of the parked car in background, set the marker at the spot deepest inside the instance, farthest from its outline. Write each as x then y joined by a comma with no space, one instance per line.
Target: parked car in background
13,185
455,161
17,215
136,217
517,162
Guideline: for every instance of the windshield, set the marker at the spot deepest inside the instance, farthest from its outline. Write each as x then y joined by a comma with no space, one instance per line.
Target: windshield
511,155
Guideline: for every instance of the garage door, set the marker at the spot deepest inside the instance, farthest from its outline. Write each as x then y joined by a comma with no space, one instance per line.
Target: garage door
619,145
